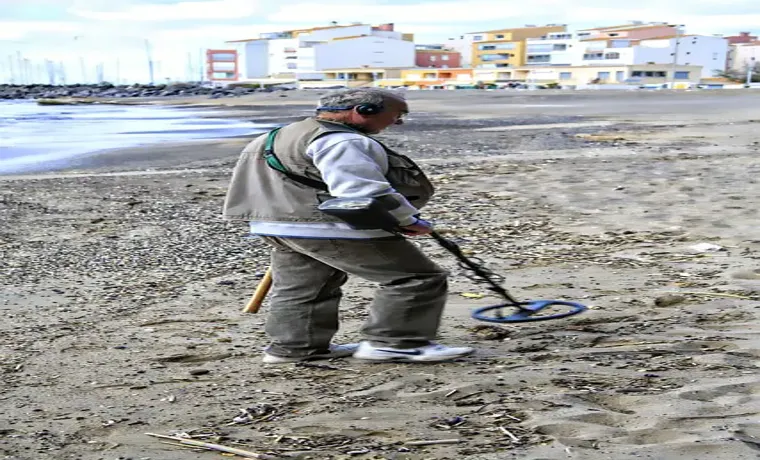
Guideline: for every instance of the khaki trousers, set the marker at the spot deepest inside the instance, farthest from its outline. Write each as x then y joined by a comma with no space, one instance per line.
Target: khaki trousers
307,276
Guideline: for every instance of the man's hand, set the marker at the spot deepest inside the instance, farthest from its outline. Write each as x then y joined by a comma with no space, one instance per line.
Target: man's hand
421,227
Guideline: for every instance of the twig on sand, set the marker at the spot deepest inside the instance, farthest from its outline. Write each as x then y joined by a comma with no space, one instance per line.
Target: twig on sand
433,442
215,447
509,433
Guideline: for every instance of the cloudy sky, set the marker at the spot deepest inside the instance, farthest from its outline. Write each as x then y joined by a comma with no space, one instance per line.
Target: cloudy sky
85,33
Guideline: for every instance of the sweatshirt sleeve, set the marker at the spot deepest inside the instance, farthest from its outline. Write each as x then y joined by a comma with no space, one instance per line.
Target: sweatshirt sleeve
354,166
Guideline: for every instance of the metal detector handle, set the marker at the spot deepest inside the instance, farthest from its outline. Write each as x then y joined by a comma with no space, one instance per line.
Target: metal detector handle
453,248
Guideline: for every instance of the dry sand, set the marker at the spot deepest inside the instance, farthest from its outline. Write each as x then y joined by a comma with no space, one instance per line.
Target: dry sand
122,291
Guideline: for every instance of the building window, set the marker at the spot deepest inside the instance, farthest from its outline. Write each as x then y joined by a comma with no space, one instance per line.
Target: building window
559,47
477,38
620,43
540,48
433,58
500,46
603,76
499,36
593,56
538,58
222,66
445,57
620,76
222,75
495,57
641,73
223,57
565,75
292,65
612,56
684,75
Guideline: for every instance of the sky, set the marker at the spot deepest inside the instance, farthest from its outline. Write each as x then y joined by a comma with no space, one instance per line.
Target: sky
112,37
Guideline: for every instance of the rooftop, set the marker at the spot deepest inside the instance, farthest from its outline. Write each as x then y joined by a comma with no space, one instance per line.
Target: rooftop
427,50
666,37
624,27
518,28
295,31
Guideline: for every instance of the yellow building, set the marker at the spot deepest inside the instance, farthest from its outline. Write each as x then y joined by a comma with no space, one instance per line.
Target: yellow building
431,78
506,47
635,75
353,78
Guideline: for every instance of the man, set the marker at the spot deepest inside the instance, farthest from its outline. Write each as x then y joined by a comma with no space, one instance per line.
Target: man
277,185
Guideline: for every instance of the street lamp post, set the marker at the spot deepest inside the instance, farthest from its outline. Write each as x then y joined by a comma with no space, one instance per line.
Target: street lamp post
675,56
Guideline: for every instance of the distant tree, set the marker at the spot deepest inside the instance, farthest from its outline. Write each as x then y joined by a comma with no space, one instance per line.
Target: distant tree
740,76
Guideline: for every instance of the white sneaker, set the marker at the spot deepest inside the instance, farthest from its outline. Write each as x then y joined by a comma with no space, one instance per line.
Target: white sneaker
428,353
336,351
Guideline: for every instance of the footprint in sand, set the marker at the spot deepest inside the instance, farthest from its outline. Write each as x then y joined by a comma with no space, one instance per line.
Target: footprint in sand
747,275
727,395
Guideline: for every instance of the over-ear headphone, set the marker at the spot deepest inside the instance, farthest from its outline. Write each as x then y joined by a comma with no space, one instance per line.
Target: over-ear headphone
361,109
368,109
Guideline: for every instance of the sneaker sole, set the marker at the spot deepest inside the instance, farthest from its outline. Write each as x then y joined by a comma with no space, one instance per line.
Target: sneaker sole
416,359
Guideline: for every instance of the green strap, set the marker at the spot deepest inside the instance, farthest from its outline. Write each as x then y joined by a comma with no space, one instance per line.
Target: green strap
275,163
269,155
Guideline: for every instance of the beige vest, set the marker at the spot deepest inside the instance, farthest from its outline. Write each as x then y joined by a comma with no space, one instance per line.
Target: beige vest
257,192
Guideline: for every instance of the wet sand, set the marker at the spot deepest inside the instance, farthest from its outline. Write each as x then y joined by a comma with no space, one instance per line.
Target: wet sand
123,289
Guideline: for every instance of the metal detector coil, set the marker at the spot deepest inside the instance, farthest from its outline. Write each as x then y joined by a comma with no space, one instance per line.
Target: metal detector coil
369,213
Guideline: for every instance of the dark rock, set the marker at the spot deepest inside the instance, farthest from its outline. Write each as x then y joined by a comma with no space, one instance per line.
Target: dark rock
108,90
669,300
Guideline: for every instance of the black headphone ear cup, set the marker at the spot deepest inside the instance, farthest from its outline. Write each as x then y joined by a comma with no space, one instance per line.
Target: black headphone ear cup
367,109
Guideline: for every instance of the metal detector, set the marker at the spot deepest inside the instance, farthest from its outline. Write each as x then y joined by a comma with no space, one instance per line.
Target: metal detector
370,213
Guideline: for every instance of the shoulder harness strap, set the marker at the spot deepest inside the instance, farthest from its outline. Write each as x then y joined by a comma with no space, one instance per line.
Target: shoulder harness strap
276,164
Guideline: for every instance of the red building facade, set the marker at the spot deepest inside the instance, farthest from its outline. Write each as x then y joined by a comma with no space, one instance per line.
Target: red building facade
222,65
439,59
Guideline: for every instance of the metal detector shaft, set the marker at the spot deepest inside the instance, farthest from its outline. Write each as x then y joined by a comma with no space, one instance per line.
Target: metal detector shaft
477,269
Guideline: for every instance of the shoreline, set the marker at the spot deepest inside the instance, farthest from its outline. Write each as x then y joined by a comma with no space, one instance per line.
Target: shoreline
135,144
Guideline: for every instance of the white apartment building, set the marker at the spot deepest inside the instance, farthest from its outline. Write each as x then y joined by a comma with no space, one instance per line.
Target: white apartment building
557,48
303,53
743,55
463,45
708,52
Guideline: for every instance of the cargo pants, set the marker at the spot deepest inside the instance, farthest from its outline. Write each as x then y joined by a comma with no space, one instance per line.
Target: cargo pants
307,280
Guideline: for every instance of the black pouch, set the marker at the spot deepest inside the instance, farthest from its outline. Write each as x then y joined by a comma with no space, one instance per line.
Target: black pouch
361,213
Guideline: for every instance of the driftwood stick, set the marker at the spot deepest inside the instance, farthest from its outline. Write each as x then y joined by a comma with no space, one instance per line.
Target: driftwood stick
260,293
216,447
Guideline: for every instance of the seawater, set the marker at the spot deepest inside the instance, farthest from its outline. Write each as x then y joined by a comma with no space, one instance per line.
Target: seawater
35,138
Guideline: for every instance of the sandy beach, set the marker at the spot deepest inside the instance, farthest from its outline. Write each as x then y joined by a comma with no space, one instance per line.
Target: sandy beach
122,292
